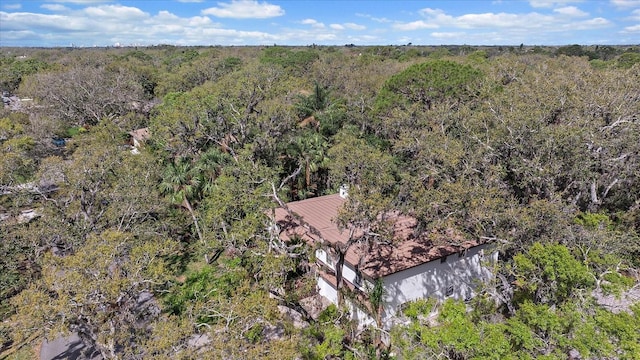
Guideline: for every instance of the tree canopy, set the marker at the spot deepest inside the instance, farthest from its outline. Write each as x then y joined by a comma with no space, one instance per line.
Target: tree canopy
170,250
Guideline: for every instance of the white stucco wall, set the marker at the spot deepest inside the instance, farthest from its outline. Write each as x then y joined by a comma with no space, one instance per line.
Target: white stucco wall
362,318
324,258
348,272
460,274
327,290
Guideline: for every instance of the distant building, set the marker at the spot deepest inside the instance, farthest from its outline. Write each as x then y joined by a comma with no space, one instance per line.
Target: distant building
138,137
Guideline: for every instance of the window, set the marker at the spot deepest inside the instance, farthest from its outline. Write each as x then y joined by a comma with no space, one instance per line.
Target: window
449,290
358,278
402,307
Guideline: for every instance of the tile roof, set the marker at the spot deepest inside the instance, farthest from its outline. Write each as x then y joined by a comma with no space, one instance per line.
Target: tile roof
407,248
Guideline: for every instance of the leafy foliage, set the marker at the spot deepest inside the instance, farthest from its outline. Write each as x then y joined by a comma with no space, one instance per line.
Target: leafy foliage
533,148
429,83
97,292
294,60
537,329
550,274
14,70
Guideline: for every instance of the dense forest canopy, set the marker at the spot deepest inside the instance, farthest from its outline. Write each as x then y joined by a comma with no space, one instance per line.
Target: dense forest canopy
533,149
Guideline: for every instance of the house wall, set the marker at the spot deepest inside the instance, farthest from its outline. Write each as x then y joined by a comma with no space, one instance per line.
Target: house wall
348,272
456,278
329,291
460,274
323,257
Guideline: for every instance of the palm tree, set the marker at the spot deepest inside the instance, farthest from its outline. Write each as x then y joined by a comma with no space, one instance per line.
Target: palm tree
317,109
182,182
313,103
310,153
186,181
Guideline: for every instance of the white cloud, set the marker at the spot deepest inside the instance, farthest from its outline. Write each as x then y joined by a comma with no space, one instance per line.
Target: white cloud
571,11
244,9
28,21
110,24
12,6
415,25
590,24
19,35
82,1
543,23
436,15
122,13
367,39
314,23
354,26
503,20
550,3
632,29
436,18
301,36
105,23
54,7
447,35
625,3
350,26
372,18
239,36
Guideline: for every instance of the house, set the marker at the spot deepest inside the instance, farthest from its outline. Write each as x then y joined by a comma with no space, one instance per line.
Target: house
138,137
410,266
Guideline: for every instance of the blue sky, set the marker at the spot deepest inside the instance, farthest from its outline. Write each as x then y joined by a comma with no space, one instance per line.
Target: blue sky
289,22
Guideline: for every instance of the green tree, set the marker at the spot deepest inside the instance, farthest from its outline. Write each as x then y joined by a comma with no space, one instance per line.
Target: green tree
429,83
234,111
101,186
183,182
209,66
447,331
103,292
571,50
627,60
550,274
297,61
13,71
16,162
308,151
370,175
236,207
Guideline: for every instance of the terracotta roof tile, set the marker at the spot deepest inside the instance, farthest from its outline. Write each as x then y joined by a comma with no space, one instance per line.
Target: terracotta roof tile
404,250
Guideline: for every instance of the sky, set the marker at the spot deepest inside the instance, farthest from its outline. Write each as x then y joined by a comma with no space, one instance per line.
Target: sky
291,22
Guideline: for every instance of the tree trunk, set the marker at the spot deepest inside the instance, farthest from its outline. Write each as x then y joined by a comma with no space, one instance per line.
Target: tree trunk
187,205
339,281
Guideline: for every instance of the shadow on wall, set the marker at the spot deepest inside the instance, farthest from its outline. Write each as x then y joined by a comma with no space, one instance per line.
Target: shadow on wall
455,276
